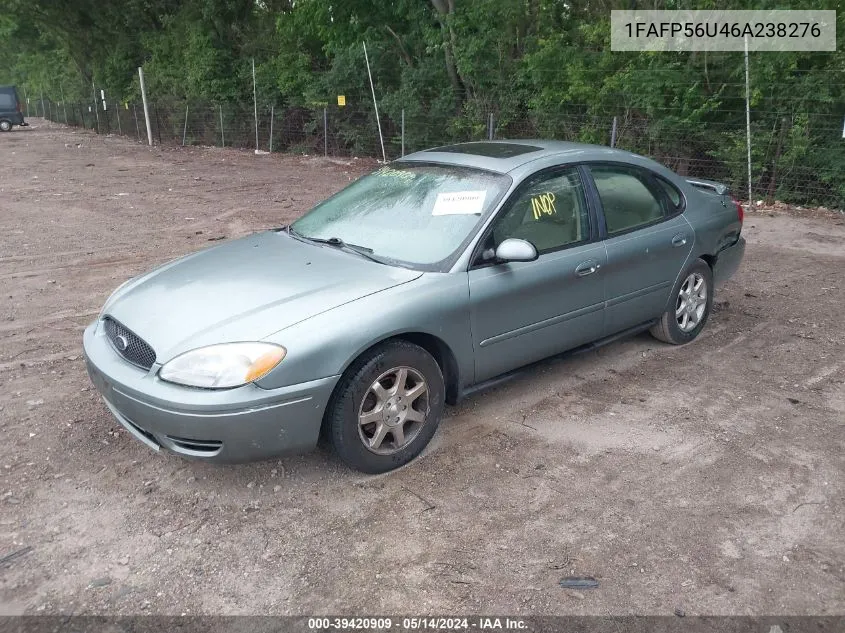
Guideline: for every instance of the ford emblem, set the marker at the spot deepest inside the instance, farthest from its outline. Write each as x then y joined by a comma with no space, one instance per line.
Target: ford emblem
121,343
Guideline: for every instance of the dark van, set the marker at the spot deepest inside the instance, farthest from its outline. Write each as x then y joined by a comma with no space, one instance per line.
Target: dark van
11,109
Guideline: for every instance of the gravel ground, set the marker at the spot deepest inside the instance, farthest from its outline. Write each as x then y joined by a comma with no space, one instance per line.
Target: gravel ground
707,478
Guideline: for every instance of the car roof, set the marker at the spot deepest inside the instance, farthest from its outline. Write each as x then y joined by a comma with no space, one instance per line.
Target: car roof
507,156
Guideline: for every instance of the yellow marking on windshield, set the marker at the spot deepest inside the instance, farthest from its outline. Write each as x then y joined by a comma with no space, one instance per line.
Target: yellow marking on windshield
401,174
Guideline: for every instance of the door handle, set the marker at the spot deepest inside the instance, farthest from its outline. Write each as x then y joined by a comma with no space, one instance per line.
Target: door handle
587,268
679,240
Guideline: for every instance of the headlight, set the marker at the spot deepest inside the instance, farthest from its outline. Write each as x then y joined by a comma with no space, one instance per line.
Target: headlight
222,366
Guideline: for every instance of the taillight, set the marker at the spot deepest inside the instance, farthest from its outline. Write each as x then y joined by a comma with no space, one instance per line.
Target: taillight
740,212
20,107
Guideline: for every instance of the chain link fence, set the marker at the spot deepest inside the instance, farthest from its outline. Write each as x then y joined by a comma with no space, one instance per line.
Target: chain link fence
781,141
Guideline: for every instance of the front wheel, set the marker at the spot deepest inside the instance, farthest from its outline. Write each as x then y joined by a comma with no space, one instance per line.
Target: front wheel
386,407
689,307
5,125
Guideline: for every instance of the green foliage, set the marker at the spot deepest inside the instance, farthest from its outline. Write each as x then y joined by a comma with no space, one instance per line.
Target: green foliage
541,67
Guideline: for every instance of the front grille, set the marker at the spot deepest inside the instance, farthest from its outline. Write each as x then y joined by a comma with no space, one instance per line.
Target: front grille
129,345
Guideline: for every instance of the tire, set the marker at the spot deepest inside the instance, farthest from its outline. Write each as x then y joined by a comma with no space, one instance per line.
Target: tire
402,423
5,125
684,319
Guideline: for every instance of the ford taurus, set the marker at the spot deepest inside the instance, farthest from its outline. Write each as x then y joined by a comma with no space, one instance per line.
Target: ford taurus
412,286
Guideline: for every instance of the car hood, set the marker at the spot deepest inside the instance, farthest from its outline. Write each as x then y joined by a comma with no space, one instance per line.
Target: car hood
244,290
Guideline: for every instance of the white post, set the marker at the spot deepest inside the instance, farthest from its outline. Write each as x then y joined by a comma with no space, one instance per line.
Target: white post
375,104
146,107
403,131
255,103
613,133
325,132
185,128
748,119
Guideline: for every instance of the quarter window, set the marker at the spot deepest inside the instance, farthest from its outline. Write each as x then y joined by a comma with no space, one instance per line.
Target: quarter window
550,211
672,193
626,198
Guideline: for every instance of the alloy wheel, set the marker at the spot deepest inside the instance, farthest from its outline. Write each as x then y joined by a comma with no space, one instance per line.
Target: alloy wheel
393,410
691,303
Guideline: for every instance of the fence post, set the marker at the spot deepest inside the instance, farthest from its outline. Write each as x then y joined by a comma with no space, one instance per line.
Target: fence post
185,128
117,114
325,132
272,112
490,126
146,108
222,135
748,119
255,103
613,133
403,131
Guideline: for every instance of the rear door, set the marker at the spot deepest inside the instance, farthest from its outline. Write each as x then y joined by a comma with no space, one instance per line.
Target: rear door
648,241
524,311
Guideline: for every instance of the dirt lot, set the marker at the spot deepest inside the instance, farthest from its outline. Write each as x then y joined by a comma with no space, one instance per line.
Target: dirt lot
708,478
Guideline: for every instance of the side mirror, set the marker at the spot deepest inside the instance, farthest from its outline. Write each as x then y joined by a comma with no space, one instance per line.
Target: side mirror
514,250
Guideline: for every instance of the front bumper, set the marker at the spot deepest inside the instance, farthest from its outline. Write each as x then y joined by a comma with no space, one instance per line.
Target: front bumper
728,261
230,425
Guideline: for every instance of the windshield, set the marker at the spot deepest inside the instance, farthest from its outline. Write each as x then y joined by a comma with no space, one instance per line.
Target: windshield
417,214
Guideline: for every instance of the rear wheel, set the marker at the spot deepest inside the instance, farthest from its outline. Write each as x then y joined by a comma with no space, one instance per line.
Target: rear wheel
5,125
689,308
386,407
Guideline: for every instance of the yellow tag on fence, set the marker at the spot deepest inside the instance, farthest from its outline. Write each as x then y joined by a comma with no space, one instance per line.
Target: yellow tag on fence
341,100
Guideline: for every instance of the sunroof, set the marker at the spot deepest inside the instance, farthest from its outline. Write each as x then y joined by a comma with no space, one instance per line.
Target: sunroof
490,150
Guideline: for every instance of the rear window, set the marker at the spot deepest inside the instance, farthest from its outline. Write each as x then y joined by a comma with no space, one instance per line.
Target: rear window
7,100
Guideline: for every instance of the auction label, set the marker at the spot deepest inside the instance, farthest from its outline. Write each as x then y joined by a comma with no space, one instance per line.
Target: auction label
459,203
728,30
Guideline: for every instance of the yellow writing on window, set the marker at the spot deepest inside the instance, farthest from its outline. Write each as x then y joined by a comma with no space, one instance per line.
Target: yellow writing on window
544,204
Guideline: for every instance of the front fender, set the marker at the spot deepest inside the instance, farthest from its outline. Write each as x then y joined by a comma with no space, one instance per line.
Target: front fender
326,344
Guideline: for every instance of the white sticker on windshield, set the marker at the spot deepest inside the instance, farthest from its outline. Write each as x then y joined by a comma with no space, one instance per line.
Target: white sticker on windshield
459,203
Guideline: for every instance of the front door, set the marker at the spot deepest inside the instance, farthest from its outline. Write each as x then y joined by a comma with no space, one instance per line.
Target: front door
648,243
524,311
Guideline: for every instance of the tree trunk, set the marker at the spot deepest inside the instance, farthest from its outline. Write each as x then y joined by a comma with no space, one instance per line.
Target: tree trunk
444,8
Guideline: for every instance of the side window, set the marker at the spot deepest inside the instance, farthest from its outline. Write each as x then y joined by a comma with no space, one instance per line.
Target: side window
676,200
550,211
626,198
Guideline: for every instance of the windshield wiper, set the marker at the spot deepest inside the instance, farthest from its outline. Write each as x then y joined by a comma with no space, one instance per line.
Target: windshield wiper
338,243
